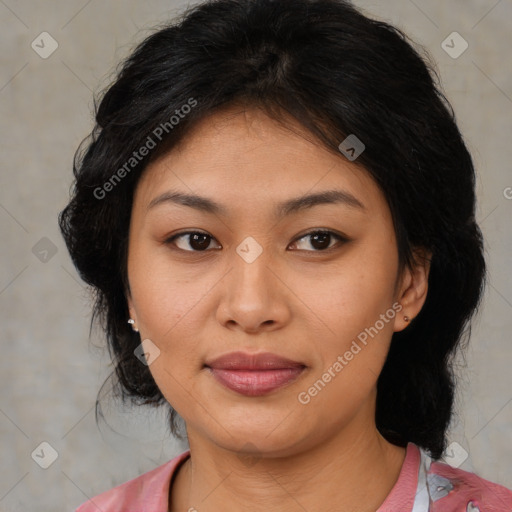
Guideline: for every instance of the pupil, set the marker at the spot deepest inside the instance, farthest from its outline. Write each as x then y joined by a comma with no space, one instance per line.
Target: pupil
324,237
201,244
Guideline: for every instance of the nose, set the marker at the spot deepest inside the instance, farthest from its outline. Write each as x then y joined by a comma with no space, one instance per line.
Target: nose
254,295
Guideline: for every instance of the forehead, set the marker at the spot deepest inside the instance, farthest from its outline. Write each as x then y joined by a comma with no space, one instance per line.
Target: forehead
243,157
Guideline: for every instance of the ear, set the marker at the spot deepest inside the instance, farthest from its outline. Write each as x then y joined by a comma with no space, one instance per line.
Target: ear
413,288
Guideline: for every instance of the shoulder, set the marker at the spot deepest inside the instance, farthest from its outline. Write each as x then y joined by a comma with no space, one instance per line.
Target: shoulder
148,492
452,489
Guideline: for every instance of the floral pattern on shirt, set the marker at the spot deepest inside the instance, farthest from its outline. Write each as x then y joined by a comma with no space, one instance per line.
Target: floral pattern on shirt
443,488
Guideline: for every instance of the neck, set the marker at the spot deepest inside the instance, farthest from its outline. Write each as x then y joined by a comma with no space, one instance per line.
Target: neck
356,471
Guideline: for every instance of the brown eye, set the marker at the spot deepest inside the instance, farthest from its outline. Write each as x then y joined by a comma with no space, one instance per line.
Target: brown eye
320,240
193,241
197,241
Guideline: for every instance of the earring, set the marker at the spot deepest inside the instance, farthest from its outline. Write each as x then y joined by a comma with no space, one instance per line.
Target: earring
131,321
406,318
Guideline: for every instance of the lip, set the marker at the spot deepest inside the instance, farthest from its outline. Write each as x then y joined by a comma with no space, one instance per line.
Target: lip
246,361
254,374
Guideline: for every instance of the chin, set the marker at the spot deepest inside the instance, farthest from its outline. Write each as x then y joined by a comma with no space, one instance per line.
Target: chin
260,431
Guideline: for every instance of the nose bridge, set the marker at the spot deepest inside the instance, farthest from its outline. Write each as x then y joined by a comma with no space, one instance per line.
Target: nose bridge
251,261
250,296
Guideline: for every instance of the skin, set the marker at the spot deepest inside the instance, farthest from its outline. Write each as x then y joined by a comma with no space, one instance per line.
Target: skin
295,300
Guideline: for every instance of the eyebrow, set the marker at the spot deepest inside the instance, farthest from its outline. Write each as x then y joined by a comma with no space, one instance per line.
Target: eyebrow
283,209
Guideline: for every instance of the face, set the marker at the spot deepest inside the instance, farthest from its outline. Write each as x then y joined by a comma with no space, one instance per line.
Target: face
258,268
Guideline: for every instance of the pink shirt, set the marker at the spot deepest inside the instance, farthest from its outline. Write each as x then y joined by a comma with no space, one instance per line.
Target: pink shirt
422,486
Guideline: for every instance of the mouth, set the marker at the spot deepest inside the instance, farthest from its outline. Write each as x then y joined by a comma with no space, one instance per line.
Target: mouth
254,374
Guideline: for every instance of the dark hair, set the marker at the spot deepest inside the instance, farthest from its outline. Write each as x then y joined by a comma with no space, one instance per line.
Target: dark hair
337,72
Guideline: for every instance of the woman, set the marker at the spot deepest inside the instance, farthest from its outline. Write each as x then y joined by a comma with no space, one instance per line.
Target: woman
276,210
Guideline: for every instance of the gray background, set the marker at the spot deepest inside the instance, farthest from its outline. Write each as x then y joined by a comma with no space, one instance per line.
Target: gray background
50,372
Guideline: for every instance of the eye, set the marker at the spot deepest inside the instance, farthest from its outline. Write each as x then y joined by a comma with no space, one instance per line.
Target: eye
320,240
198,240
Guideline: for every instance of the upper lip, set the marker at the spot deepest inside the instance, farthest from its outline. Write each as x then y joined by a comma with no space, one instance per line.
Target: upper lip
245,361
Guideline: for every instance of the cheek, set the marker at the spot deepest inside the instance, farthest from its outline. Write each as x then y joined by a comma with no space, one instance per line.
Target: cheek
355,339
167,309
352,295
163,292
163,299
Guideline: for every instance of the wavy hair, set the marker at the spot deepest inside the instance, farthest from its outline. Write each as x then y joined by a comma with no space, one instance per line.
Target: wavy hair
337,72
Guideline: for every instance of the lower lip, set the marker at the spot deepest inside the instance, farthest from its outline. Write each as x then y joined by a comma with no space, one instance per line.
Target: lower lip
256,382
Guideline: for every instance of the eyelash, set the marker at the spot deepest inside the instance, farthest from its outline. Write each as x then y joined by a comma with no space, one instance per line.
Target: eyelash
340,238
